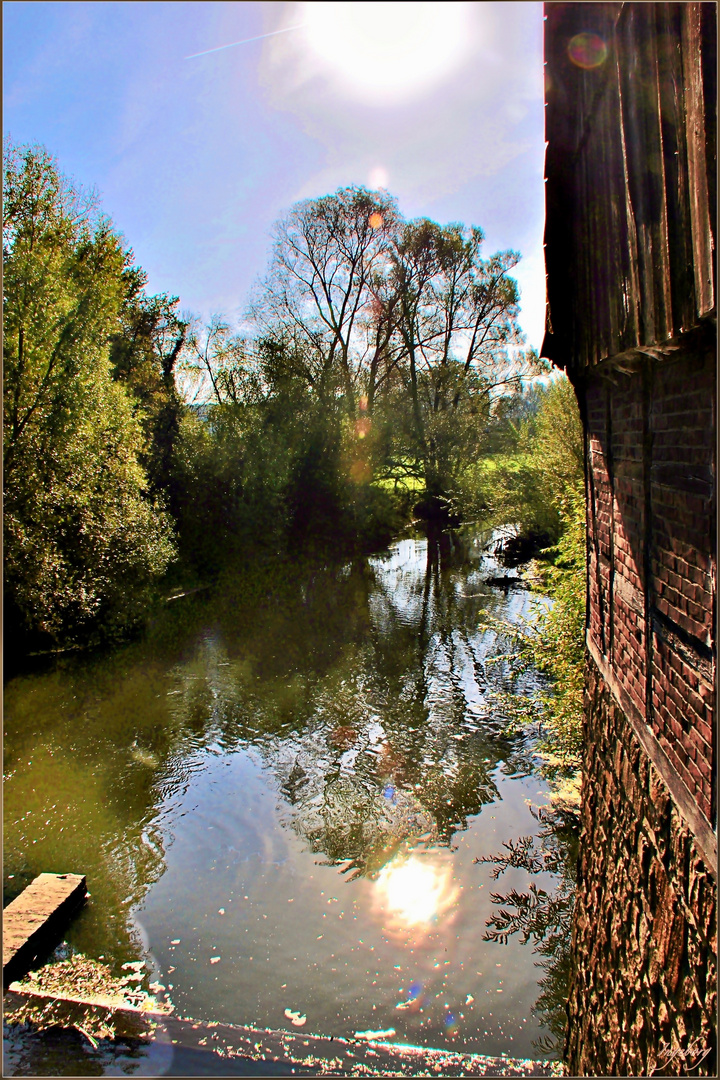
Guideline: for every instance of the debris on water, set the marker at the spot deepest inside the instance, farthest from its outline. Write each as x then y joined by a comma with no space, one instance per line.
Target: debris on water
214,959
175,941
221,911
386,1034
566,794
83,981
469,999
133,965
295,1018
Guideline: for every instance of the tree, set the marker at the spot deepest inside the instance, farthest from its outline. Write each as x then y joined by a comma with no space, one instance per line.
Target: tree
402,321
144,355
457,323
527,481
323,297
82,539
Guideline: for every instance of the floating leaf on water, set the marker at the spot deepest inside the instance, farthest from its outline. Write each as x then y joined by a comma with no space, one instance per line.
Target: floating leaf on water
295,1018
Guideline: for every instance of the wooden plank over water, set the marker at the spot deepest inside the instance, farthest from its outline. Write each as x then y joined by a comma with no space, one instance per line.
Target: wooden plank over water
34,920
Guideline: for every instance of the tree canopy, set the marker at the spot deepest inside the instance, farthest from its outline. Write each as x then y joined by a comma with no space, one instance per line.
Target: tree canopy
82,535
380,361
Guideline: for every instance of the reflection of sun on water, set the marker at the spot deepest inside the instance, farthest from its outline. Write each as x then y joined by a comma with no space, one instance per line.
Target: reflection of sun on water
414,893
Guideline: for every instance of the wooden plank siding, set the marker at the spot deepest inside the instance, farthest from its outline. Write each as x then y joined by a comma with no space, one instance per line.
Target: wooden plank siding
630,178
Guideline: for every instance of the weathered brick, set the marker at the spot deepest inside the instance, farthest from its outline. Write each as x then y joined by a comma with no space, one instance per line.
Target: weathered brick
640,967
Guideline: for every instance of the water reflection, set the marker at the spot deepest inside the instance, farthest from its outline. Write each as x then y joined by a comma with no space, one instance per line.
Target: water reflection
413,893
312,728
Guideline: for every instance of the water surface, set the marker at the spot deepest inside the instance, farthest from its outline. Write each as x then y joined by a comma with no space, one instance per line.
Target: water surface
280,795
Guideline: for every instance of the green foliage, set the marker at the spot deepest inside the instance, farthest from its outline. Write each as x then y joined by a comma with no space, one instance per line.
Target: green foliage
144,353
83,541
403,322
370,390
536,457
537,483
551,639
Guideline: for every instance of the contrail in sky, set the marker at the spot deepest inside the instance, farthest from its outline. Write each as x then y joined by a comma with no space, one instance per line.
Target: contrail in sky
244,41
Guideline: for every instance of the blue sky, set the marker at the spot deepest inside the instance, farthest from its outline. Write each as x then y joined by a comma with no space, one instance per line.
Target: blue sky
195,159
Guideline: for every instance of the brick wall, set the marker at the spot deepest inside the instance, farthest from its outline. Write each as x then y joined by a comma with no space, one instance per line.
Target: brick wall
644,986
644,947
651,539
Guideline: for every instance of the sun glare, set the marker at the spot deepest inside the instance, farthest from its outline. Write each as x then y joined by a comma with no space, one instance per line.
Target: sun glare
387,51
414,893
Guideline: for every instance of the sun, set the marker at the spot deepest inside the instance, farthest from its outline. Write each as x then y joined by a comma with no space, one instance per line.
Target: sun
387,52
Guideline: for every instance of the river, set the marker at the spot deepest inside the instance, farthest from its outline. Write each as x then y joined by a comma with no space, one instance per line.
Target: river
280,796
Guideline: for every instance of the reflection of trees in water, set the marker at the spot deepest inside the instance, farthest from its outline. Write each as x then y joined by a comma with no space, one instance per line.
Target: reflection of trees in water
362,686
542,917
399,749
82,797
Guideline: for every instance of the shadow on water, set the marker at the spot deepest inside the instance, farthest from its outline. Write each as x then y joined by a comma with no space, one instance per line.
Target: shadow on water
309,726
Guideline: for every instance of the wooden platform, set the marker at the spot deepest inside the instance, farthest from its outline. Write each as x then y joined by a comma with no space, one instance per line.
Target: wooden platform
35,920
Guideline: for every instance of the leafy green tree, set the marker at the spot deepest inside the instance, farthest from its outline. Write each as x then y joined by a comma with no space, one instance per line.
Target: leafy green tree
402,321
535,462
83,541
144,355
461,345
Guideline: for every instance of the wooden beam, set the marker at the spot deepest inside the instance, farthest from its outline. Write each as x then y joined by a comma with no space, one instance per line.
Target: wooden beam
35,919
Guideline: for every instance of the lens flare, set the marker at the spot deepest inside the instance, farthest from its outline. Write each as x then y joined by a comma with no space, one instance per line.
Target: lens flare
360,472
378,177
587,51
451,1025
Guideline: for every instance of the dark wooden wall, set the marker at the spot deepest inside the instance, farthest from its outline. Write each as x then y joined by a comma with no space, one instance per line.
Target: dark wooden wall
630,177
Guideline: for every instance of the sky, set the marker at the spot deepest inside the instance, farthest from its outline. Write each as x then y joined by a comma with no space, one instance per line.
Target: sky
195,157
